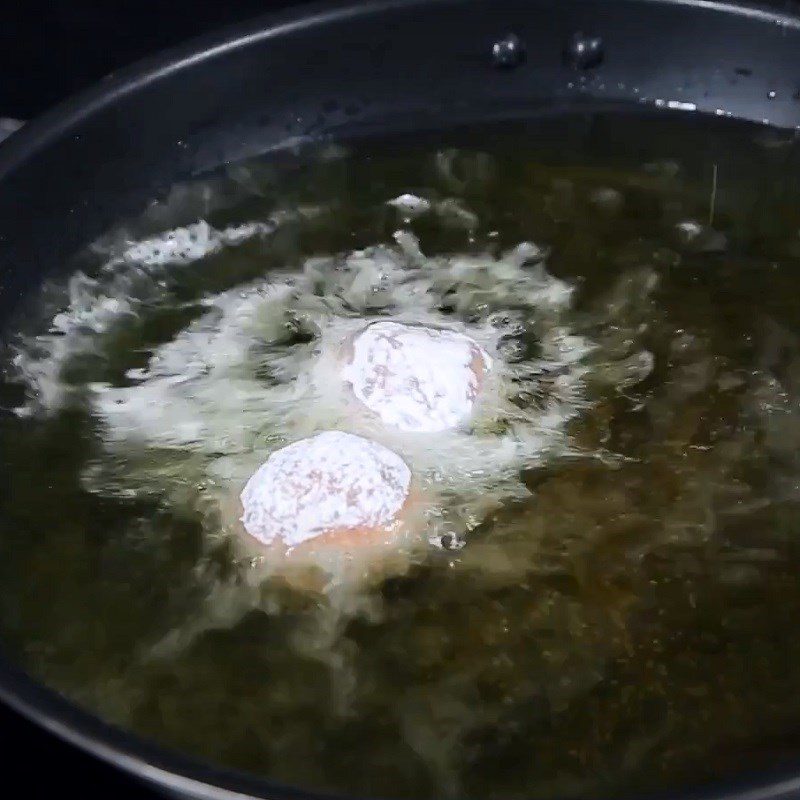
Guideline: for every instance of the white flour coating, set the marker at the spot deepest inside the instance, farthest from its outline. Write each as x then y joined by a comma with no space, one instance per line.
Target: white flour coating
416,378
331,481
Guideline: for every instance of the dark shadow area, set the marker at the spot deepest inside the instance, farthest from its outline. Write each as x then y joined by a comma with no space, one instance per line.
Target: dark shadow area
49,50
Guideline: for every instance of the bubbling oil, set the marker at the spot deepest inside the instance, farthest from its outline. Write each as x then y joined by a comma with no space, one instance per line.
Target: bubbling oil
262,366
599,590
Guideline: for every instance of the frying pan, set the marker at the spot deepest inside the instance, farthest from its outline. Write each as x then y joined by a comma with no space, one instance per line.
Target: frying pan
338,71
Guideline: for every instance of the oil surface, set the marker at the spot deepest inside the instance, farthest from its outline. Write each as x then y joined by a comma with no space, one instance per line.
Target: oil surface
621,617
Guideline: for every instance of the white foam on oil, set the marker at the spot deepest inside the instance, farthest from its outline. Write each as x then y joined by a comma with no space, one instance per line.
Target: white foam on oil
410,205
185,245
135,274
416,378
230,389
233,387
224,393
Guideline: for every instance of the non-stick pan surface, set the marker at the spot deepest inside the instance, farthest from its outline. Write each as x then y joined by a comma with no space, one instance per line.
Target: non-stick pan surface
337,70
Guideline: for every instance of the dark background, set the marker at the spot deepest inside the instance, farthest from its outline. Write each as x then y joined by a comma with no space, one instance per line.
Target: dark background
49,50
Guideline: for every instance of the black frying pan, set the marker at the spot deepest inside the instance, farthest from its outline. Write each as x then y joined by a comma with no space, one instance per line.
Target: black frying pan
341,71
